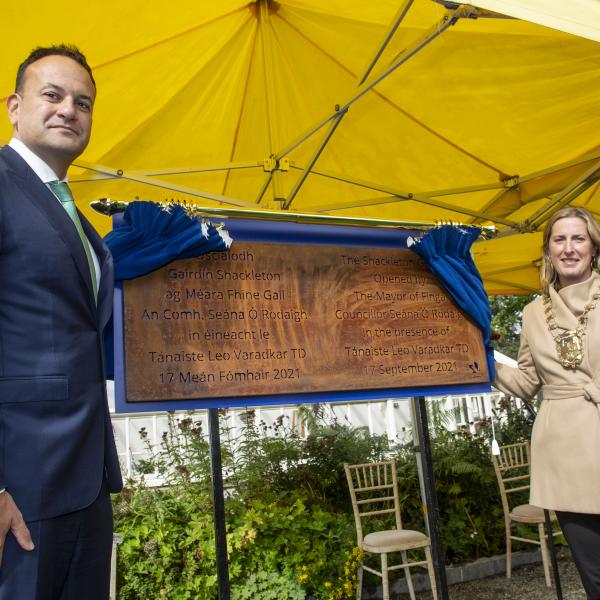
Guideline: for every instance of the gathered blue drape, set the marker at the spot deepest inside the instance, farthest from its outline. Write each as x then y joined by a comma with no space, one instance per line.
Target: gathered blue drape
152,236
447,252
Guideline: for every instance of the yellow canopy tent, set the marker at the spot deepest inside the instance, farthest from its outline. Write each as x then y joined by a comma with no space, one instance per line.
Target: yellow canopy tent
393,110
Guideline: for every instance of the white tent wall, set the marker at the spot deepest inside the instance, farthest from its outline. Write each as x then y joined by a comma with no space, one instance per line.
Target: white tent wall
578,17
390,417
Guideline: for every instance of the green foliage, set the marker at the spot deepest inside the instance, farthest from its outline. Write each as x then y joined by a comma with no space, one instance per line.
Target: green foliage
168,544
271,463
291,536
290,529
467,483
268,586
506,321
468,496
471,514
279,527
346,585
516,425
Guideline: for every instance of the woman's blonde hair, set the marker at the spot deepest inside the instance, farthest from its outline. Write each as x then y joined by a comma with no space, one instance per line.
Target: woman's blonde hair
548,275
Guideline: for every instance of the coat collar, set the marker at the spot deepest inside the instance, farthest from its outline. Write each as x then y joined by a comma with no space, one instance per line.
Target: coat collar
569,303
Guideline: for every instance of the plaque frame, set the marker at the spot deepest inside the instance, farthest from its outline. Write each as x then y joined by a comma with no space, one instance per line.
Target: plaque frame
286,232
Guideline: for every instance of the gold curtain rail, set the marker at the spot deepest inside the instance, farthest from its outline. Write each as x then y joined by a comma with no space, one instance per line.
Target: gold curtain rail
109,207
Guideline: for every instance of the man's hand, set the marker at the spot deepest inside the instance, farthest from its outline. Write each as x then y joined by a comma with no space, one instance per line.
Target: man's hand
12,520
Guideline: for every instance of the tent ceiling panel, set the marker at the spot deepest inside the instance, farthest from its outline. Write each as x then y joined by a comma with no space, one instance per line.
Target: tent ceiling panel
489,122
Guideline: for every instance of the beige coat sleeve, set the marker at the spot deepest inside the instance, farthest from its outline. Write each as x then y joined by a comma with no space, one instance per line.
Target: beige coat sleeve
522,381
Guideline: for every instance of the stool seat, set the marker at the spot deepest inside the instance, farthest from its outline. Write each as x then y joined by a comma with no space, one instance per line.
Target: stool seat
394,540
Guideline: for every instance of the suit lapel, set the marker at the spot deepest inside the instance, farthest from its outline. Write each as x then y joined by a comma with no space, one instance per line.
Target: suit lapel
36,191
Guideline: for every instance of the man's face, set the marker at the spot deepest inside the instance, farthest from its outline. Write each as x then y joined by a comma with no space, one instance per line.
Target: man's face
52,113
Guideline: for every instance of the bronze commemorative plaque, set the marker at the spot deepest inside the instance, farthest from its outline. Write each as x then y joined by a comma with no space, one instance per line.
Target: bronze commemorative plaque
269,318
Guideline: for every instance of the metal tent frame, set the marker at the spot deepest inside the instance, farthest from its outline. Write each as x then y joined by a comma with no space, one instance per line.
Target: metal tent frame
551,188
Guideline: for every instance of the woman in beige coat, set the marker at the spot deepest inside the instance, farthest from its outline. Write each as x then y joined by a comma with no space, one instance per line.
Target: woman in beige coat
560,355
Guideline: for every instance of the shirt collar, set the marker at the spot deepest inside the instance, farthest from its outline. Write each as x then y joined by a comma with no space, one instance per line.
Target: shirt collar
39,167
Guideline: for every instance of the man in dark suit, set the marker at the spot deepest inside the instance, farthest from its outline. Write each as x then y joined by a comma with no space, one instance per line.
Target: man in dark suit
58,460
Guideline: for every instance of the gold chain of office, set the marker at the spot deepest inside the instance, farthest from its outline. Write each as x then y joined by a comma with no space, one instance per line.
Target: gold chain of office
569,343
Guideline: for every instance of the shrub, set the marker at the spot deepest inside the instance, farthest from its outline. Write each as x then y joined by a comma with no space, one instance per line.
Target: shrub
279,529
290,529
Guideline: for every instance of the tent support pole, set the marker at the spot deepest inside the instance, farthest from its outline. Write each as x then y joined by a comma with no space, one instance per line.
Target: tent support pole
425,197
395,199
423,449
216,467
464,211
511,269
500,194
333,126
493,277
380,187
389,34
589,177
232,166
419,458
263,188
154,182
516,181
560,167
557,203
564,200
109,207
275,176
447,21
259,164
108,173
552,548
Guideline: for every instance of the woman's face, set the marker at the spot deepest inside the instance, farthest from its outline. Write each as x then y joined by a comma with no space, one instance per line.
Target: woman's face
571,250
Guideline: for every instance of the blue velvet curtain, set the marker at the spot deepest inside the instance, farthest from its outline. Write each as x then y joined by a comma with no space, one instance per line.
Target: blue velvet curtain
152,236
447,252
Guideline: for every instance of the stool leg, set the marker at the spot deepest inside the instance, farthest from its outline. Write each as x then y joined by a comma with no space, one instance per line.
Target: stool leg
508,551
409,583
431,572
384,576
113,571
545,555
359,583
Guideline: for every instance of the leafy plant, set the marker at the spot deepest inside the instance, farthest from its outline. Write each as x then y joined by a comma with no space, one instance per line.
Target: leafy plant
506,321
290,529
268,586
277,523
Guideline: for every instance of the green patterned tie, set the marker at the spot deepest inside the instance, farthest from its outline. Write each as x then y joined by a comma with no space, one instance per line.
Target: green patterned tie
63,193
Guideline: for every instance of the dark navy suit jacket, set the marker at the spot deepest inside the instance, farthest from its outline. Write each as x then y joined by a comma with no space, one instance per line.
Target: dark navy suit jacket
56,438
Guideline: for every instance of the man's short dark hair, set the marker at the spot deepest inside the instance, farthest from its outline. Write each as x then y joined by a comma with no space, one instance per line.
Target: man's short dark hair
57,50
